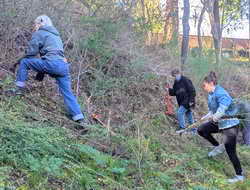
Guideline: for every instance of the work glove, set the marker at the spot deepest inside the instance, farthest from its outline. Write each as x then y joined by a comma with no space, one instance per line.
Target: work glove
219,113
13,68
207,116
191,105
166,87
39,77
215,118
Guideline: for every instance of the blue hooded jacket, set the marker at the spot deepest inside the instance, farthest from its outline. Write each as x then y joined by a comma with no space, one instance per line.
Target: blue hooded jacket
220,102
46,42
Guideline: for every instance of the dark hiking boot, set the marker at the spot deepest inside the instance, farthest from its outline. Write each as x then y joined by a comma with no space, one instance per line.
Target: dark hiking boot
82,125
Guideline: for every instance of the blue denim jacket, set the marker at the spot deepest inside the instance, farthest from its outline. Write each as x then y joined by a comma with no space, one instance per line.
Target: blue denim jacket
46,42
221,102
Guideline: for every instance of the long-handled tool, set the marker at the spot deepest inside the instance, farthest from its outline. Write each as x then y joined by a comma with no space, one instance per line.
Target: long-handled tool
233,119
193,126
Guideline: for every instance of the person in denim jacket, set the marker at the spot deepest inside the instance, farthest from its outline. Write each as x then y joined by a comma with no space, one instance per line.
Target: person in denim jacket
220,118
47,43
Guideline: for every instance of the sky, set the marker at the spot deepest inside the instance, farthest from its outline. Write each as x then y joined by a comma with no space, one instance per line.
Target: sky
206,30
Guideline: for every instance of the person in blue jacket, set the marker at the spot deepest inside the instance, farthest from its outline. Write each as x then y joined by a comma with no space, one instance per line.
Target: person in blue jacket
47,43
220,118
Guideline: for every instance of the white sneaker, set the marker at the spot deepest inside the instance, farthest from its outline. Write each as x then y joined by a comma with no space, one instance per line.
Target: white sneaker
217,150
181,131
237,178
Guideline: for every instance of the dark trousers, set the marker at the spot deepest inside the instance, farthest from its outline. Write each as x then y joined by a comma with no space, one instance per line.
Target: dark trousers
229,138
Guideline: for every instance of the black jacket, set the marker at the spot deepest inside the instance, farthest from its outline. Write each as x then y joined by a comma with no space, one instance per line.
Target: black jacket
184,91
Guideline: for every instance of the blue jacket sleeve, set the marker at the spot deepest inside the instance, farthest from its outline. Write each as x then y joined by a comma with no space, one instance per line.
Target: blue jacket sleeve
34,45
224,101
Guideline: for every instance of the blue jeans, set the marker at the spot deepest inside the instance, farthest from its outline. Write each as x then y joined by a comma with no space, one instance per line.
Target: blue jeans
182,113
58,69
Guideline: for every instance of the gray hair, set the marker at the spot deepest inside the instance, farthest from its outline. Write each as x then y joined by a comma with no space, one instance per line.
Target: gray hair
43,20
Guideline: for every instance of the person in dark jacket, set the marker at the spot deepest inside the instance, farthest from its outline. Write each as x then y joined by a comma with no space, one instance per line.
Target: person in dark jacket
47,43
185,94
221,118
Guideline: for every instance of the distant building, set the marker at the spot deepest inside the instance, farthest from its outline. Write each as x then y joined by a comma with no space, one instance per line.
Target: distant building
230,46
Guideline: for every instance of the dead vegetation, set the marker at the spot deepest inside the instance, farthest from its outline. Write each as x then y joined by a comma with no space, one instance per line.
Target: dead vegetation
117,78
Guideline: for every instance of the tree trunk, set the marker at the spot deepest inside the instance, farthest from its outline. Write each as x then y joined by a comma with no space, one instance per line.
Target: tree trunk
175,19
168,25
222,26
186,28
214,17
143,11
217,31
129,12
171,27
199,29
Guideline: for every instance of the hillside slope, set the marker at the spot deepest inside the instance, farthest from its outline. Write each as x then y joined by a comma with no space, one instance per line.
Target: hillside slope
40,149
